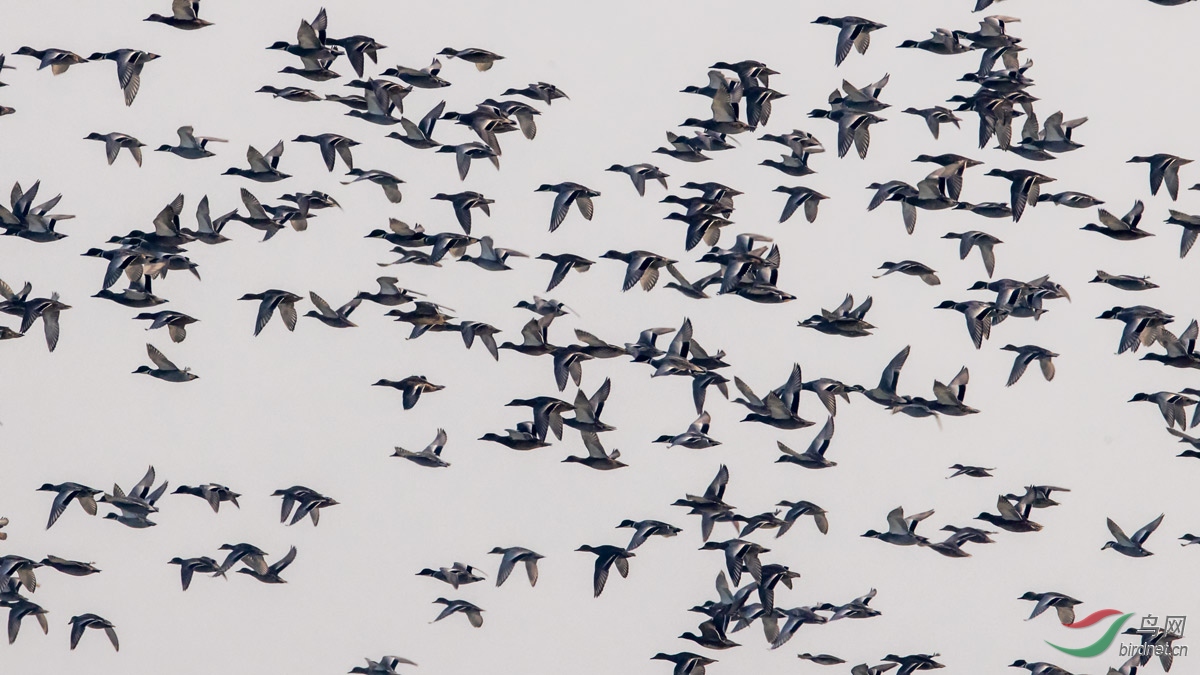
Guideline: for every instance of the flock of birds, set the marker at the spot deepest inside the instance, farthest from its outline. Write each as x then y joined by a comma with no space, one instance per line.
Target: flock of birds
739,100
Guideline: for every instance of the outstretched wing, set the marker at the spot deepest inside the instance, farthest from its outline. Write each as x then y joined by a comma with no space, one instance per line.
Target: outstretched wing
159,359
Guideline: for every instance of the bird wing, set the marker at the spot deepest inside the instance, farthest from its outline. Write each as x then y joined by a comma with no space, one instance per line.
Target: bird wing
411,396
600,576
507,562
77,629
786,450
1110,221
1019,195
821,442
166,223
1157,171
129,75
59,506
287,310
793,202
1187,241
163,363
185,10
204,217
861,311
597,400
283,562
958,385
810,207
585,205
1135,214
1047,365
450,609
862,134
890,378
257,162
639,182
976,328
346,309
274,154
430,119
1143,534
776,408
846,39
253,206
14,623
846,132
622,564
917,518
591,441
649,275
1119,534
322,306
562,203
722,106
716,489
843,309
1019,365
327,154
22,201
306,36
143,487
50,324
989,257
1009,512
265,309
681,343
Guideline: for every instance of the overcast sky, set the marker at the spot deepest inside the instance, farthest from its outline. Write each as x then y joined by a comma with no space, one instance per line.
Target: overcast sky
296,408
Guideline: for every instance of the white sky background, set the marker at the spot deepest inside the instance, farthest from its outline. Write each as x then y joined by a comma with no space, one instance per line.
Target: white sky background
297,408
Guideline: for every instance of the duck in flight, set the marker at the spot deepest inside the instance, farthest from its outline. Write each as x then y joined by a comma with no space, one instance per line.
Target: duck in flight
513,555
85,621
1164,168
115,141
65,494
185,15
129,68
1121,229
696,437
164,369
597,457
1064,605
901,530
271,575
854,32
1132,546
412,388
814,456
431,456
1010,519
270,301
606,558
566,195
339,318
263,168
473,612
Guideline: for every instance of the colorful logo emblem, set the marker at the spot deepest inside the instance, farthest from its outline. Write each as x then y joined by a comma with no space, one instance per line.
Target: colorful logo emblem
1099,646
